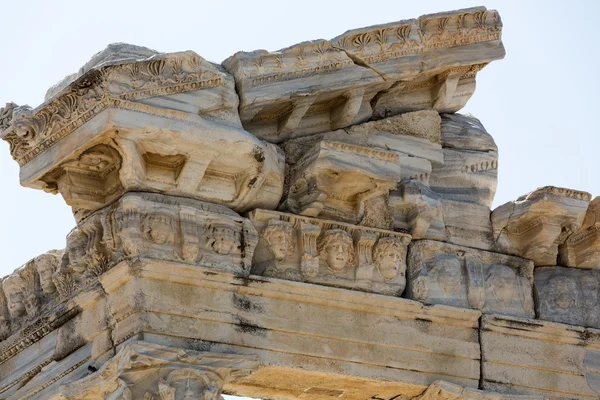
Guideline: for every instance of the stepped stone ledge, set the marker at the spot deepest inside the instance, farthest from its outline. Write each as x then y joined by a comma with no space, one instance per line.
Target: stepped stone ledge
310,223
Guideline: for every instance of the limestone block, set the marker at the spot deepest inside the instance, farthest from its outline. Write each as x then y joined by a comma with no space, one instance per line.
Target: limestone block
539,358
442,390
465,132
468,224
467,176
167,123
414,137
582,248
161,227
434,59
142,370
441,273
410,65
329,253
306,88
418,210
305,335
568,295
534,225
333,180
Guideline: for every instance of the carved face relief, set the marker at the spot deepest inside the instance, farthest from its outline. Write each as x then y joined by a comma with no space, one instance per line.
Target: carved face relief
23,122
336,249
160,231
389,258
278,235
14,289
223,240
502,283
46,265
563,291
449,274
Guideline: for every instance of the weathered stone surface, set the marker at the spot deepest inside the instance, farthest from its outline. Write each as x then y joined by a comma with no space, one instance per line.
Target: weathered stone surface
568,295
333,180
318,86
442,390
465,132
418,210
582,248
441,273
168,123
535,225
468,224
161,227
532,357
329,253
142,370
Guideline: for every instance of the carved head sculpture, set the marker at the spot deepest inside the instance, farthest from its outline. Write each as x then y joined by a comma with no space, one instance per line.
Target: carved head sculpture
14,289
336,249
224,239
46,265
23,122
159,229
563,291
449,274
279,236
190,384
388,255
502,281
77,242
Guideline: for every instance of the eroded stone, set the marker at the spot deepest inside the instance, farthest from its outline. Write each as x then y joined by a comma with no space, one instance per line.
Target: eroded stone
441,273
582,248
167,123
534,225
568,295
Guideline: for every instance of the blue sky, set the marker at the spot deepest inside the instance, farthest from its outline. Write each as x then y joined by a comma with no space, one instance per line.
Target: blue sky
540,103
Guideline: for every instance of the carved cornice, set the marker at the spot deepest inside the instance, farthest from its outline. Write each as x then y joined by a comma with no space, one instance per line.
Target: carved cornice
30,132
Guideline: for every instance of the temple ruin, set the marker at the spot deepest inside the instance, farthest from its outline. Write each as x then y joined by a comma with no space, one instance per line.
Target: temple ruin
310,223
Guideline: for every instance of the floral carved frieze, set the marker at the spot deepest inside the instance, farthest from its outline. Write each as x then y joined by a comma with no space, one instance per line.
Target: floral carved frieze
329,253
383,70
34,130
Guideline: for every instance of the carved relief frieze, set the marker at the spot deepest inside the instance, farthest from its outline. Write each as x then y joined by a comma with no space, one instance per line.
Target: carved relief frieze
322,85
568,295
142,370
334,179
34,130
441,273
329,253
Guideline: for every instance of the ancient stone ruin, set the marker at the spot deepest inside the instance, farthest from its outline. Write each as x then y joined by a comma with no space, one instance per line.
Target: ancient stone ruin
311,223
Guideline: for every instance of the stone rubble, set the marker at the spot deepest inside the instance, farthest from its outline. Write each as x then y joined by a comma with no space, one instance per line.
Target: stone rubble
310,223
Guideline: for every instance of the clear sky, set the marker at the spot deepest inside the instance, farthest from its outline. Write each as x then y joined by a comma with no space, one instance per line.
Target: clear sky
540,103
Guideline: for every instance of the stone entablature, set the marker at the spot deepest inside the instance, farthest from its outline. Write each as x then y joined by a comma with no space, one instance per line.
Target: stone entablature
311,223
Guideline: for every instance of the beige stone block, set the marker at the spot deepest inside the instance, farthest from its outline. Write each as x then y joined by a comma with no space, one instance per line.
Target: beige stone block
467,176
468,224
568,295
418,210
334,179
441,273
532,357
450,391
312,329
582,248
329,253
434,59
534,225
307,88
168,123
465,132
